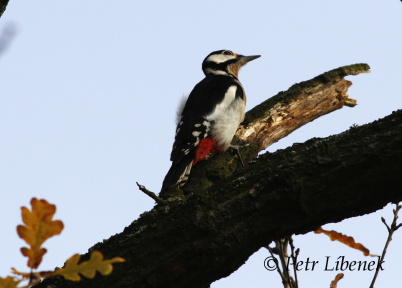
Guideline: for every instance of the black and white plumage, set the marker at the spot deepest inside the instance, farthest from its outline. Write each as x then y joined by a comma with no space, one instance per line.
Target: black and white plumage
211,115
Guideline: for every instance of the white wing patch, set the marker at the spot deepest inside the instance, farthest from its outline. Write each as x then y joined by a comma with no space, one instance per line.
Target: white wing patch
206,124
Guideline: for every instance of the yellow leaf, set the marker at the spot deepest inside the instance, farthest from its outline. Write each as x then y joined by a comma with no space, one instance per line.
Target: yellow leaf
9,282
72,269
38,227
347,240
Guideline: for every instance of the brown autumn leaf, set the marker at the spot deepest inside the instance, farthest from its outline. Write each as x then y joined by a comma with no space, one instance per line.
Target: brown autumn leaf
334,283
38,227
31,276
9,282
347,240
22,274
72,268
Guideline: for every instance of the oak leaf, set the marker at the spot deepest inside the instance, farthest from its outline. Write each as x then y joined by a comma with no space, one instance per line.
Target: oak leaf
347,240
72,268
9,282
38,227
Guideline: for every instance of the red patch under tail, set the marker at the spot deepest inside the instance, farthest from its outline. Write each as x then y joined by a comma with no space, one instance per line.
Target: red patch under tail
205,147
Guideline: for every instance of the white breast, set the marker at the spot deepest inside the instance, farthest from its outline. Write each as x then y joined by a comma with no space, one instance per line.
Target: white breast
226,117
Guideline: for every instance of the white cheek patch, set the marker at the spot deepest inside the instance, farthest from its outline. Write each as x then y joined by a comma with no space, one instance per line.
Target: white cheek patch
220,58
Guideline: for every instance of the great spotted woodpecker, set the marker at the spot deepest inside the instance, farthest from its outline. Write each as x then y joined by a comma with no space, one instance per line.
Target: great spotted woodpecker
210,116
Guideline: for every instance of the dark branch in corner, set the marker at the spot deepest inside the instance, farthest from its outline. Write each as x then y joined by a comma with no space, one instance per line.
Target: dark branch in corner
3,5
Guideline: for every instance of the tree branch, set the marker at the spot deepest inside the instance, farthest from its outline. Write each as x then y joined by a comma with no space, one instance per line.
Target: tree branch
274,119
211,233
280,115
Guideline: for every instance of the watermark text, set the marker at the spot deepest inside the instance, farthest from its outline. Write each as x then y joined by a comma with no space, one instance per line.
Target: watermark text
328,264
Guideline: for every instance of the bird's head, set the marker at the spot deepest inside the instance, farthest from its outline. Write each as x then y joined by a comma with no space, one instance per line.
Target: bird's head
225,62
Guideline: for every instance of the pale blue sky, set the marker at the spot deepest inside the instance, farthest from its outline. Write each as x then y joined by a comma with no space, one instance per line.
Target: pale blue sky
89,92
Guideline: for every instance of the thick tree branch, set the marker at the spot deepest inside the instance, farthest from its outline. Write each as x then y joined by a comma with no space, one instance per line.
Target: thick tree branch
276,118
211,233
280,115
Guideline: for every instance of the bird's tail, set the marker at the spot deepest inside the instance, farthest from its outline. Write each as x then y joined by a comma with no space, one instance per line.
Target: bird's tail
177,174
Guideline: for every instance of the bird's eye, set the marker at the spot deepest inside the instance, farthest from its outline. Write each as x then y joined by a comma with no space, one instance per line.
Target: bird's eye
228,52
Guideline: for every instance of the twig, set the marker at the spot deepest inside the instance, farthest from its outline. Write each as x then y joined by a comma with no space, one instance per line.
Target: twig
282,245
281,250
294,255
150,194
272,252
391,231
334,283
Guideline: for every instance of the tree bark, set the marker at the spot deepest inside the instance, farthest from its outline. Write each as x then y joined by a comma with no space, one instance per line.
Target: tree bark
194,239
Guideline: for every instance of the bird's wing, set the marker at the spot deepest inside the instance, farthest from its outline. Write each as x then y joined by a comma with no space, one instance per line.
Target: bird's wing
193,126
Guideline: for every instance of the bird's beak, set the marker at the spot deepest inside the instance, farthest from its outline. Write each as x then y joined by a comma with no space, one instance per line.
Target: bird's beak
245,59
250,58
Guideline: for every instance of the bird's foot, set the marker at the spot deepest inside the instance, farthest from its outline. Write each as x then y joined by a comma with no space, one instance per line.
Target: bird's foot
236,149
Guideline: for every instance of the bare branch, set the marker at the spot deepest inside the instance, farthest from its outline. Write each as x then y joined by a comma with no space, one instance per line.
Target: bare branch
391,231
274,251
150,194
294,254
282,247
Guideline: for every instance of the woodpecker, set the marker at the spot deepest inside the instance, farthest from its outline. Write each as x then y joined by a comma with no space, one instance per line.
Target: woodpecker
211,115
